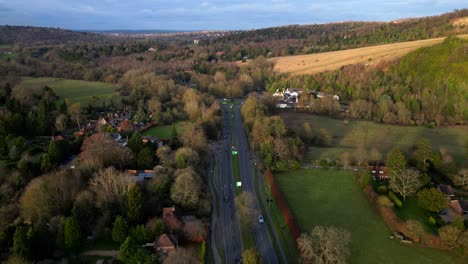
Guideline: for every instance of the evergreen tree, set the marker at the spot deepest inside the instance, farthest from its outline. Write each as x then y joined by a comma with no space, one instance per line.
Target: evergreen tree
119,231
145,159
134,204
46,165
396,161
21,243
135,143
127,250
174,142
423,153
72,235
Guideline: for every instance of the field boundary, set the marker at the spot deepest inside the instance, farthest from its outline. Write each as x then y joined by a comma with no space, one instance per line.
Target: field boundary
283,206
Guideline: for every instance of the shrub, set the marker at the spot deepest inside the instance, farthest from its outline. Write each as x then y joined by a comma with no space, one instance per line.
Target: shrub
382,189
432,221
324,163
365,179
395,199
384,201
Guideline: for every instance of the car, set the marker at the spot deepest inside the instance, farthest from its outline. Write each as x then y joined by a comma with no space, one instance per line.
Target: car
260,219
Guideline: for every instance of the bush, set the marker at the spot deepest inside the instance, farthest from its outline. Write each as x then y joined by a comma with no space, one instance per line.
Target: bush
365,179
395,199
432,221
382,189
384,201
324,163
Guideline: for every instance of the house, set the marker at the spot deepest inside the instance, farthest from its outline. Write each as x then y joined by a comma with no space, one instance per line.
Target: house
151,49
378,172
461,207
126,126
142,175
171,218
196,41
447,191
165,243
102,121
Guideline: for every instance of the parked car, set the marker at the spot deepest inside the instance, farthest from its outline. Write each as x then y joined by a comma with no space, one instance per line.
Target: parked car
260,219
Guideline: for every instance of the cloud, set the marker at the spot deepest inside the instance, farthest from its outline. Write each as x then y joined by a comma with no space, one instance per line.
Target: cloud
210,14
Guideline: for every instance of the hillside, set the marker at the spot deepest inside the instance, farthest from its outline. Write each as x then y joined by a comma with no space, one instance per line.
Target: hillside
307,39
315,63
41,35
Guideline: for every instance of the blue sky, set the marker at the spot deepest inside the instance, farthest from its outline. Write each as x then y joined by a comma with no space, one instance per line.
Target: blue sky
210,14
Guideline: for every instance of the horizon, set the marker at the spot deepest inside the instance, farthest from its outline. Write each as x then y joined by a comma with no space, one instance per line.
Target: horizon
186,16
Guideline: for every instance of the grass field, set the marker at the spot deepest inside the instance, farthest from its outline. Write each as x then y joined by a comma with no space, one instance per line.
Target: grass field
74,90
319,197
381,136
164,132
314,63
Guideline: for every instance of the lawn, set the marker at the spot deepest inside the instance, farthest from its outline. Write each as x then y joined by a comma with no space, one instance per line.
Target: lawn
165,132
74,90
319,197
381,136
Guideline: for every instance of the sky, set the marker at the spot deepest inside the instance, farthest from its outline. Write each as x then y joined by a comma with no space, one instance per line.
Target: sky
210,14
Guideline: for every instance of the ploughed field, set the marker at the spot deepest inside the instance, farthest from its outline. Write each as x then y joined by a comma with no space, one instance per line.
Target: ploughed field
319,62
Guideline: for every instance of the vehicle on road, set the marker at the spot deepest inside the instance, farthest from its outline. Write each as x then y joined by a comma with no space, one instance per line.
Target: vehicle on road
260,219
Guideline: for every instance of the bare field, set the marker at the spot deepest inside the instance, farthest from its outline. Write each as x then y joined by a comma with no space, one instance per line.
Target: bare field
320,62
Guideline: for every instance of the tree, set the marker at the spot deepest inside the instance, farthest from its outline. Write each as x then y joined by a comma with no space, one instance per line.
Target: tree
155,227
21,243
450,235
245,207
127,250
18,260
134,204
186,188
100,150
375,155
145,159
396,161
110,188
423,153
72,235
57,150
405,183
164,154
182,256
326,245
461,179
75,112
61,122
415,229
135,143
251,256
194,137
46,165
432,200
119,230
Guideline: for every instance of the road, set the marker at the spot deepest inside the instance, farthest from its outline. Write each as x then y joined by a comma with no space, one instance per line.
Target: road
226,229
246,168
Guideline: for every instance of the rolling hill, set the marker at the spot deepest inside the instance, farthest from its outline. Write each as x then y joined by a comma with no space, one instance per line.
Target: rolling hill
315,63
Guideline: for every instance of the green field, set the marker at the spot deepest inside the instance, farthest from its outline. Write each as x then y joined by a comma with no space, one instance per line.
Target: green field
74,90
319,197
164,132
381,136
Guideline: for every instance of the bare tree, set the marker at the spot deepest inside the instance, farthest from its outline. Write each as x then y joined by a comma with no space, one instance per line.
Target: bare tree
75,112
61,122
110,187
182,256
406,183
324,245
186,188
245,207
